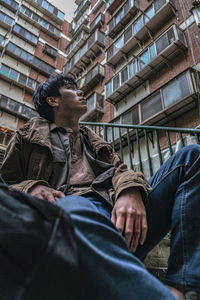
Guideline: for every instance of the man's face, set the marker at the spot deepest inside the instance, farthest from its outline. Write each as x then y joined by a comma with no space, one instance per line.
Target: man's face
72,100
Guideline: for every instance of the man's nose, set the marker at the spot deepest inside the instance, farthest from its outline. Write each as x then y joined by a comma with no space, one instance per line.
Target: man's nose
80,93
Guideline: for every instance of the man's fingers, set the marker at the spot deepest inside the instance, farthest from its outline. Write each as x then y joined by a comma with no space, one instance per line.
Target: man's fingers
130,220
144,230
113,217
136,234
120,222
58,194
48,196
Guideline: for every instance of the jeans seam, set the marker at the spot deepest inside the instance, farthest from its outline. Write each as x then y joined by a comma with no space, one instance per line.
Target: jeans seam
185,254
178,166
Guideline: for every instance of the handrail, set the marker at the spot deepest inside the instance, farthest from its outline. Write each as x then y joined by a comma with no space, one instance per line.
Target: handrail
145,147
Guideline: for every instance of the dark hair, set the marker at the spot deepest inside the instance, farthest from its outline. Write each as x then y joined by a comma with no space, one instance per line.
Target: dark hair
49,88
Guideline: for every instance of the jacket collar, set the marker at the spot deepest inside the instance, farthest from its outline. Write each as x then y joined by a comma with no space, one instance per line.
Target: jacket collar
36,130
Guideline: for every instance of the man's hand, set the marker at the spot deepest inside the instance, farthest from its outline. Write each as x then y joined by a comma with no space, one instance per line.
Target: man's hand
129,216
45,192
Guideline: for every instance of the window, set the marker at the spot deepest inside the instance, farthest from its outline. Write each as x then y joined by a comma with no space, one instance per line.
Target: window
151,106
22,79
9,20
119,16
165,40
50,51
176,90
149,13
1,40
13,74
116,82
138,24
144,59
132,69
128,34
119,44
26,34
61,15
4,70
109,88
158,4
124,75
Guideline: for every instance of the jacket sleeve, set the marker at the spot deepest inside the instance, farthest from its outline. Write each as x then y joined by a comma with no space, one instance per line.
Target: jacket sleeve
14,164
124,178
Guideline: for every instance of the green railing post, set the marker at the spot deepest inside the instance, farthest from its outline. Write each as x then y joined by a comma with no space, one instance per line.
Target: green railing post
105,135
148,152
139,151
129,149
121,146
158,147
169,143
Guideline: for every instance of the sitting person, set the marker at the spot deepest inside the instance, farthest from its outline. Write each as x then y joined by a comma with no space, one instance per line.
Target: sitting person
118,216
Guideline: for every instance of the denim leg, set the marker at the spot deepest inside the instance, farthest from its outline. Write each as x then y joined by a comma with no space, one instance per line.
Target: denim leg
108,269
174,203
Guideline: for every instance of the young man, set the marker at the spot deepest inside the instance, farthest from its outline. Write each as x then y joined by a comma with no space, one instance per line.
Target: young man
117,216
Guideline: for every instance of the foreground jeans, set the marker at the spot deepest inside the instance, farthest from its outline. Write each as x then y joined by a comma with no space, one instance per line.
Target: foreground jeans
109,269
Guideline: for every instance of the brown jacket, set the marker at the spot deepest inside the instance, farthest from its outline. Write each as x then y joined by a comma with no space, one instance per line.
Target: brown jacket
29,161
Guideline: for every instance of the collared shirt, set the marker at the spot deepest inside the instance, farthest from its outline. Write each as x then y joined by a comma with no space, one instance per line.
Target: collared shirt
80,174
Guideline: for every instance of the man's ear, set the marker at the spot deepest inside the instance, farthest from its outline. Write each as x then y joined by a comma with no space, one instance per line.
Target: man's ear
52,101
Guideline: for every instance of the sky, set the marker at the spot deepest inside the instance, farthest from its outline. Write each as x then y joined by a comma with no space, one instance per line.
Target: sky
67,6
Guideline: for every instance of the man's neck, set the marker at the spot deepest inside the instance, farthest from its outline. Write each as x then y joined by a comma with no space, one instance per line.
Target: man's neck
67,123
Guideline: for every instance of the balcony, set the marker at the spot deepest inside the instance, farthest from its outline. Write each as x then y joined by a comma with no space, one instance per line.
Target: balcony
19,79
48,9
25,34
6,21
98,22
11,4
122,17
112,5
77,41
88,51
92,78
138,32
81,9
82,24
39,22
95,107
16,108
164,49
29,59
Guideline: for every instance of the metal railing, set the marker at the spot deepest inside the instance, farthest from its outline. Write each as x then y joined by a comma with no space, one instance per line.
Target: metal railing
145,148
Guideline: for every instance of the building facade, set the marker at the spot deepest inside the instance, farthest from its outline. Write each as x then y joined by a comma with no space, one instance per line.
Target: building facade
33,38
138,61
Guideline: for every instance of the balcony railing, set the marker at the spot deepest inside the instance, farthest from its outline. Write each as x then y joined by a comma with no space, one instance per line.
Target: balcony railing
29,59
95,107
88,51
97,23
39,22
92,78
11,4
77,42
122,17
165,48
16,108
81,9
145,148
138,32
49,9
18,78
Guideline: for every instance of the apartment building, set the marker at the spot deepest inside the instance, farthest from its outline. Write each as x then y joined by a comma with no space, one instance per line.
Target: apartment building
33,38
138,61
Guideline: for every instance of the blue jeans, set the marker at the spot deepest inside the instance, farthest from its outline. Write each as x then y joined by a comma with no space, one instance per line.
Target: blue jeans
108,269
